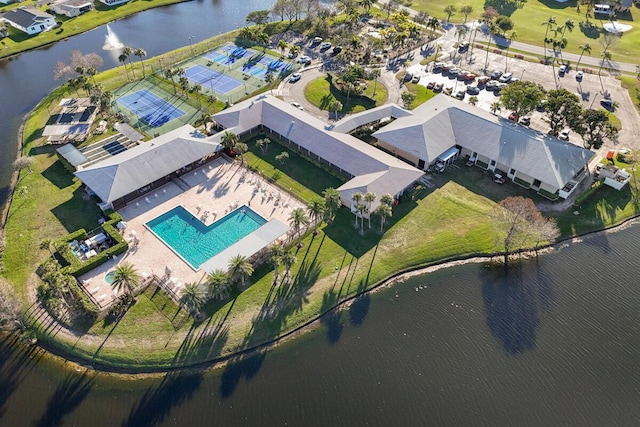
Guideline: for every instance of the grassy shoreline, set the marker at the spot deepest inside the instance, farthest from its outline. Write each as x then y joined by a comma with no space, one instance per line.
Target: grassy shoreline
334,267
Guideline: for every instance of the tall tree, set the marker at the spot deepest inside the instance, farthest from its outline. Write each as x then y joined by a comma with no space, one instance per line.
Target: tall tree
282,45
369,198
169,74
229,140
594,127
335,107
450,10
123,58
332,202
276,251
258,17
583,48
511,38
316,210
141,53
562,108
466,10
288,260
521,97
384,211
126,278
193,298
219,284
433,24
240,148
240,269
297,219
128,51
367,4
356,199
517,223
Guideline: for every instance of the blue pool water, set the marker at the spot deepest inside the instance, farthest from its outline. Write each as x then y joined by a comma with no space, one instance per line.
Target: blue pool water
196,242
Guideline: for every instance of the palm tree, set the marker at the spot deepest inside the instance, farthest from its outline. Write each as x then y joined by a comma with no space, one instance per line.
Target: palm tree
316,210
356,198
240,148
240,269
263,39
387,199
369,198
46,244
297,219
126,278
335,106
550,23
495,106
473,101
169,73
606,58
433,24
128,52
193,298
229,140
367,4
276,252
349,87
219,284
268,79
486,60
383,211
362,209
263,144
184,85
466,11
583,48
450,10
282,45
123,58
91,71
332,202
141,53
106,98
288,259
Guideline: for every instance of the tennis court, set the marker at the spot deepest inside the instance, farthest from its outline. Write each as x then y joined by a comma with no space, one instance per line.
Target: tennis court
150,108
210,79
218,57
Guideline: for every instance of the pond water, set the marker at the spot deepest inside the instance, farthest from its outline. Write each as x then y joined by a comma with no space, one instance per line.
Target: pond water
552,342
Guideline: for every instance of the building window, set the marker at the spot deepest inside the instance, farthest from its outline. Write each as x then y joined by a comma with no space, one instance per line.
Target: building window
536,183
512,171
493,163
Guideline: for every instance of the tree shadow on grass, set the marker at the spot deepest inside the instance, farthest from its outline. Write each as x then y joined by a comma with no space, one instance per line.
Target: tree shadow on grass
78,212
66,398
157,403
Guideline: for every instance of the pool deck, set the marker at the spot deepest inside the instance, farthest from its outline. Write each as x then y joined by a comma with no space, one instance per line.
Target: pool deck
215,190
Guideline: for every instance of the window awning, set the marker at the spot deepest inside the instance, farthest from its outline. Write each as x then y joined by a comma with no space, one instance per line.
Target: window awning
451,152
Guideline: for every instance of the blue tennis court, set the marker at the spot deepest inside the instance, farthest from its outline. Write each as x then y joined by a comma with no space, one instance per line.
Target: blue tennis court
218,57
210,79
150,108
255,71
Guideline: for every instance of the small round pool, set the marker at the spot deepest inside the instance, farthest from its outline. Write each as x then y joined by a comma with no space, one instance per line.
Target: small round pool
110,277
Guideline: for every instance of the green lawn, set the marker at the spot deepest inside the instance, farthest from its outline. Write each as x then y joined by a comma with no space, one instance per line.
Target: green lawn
529,21
320,92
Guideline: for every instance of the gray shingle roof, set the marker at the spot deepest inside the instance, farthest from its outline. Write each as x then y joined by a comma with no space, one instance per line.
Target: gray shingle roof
132,169
443,122
346,152
25,17
354,121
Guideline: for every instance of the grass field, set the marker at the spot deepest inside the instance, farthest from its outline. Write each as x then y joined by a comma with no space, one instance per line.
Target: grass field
528,23
320,92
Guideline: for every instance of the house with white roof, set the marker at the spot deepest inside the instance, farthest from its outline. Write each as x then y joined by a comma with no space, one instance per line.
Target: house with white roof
71,8
367,168
113,2
29,20
443,128
136,171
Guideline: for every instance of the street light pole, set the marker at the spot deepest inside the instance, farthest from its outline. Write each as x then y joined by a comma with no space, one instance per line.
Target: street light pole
191,45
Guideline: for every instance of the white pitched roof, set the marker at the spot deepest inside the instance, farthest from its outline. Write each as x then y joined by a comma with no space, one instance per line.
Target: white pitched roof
132,169
346,152
354,121
443,122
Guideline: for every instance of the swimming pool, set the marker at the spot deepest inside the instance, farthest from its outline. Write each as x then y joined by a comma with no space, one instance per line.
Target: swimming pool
195,242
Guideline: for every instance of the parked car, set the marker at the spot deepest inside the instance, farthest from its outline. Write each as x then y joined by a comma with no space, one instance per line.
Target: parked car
542,105
564,134
505,77
483,80
562,69
607,103
303,59
525,121
438,65
459,94
468,76
512,116
455,71
431,85
316,40
579,76
292,55
438,87
462,47
295,77
297,105
415,79
496,75
473,90
500,86
513,80
337,50
446,67
407,77
491,85
325,45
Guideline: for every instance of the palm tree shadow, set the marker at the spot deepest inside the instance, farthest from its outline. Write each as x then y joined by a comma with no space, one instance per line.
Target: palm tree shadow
156,404
66,398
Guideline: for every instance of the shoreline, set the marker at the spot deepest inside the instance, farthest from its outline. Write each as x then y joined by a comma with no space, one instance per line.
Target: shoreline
78,363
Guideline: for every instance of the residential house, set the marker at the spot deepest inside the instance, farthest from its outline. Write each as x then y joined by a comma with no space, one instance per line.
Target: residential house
71,8
113,2
30,20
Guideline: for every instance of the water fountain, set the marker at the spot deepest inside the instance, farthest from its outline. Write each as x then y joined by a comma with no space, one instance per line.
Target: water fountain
111,40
